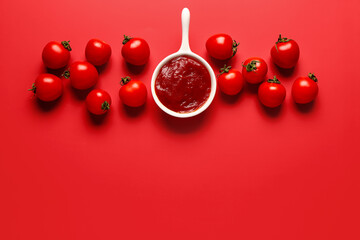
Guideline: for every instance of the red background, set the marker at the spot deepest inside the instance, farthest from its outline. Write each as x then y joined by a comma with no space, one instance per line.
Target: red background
238,171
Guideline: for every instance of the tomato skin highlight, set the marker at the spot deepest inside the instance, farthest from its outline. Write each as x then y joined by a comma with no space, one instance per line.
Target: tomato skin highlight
257,73
135,51
97,52
55,55
98,102
47,87
285,54
83,75
271,94
304,90
133,93
230,81
221,46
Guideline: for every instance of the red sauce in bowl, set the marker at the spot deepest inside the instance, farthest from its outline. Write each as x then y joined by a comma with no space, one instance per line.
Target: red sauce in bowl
183,84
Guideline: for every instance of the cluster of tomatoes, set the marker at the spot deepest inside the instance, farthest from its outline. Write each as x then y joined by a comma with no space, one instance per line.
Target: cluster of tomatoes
84,75
285,54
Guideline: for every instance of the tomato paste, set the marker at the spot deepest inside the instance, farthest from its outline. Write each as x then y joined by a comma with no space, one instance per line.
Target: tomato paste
183,84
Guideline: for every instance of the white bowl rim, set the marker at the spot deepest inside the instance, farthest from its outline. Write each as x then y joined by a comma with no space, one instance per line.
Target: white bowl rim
212,90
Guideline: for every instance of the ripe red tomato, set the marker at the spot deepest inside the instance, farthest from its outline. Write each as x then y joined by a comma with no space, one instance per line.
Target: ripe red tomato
47,87
56,55
98,101
97,52
221,46
230,81
271,93
254,70
285,53
305,89
83,75
135,51
133,92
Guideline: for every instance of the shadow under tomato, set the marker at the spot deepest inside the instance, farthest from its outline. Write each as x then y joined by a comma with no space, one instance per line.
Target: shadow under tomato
271,112
56,72
183,125
47,106
80,94
218,63
135,70
304,108
231,99
97,119
103,68
132,112
251,88
282,71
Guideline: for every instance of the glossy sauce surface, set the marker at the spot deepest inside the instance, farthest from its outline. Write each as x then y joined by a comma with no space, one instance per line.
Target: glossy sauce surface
183,84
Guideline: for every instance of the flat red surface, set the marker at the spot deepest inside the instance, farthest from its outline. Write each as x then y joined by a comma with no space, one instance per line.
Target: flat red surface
238,171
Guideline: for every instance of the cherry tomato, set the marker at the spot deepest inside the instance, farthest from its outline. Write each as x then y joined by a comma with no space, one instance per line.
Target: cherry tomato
305,89
56,55
254,70
97,52
135,51
98,101
83,75
133,92
285,53
271,93
221,46
47,87
230,80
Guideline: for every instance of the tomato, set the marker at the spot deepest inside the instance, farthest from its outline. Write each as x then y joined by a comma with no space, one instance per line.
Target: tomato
135,51
230,81
47,87
98,101
83,75
271,93
285,53
221,46
97,52
133,92
254,70
56,55
305,89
